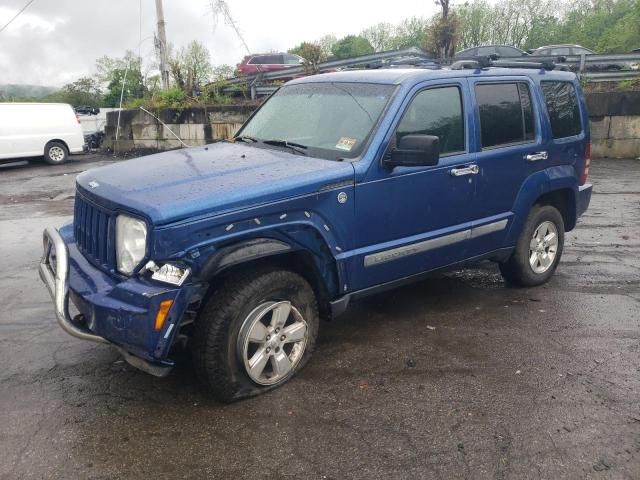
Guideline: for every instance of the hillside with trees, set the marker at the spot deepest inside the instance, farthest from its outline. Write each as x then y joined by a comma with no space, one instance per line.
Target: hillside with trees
605,26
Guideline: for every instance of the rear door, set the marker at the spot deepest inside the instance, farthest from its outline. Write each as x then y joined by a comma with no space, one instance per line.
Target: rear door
509,149
29,124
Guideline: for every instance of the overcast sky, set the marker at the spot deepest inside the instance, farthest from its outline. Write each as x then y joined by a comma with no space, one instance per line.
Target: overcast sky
56,41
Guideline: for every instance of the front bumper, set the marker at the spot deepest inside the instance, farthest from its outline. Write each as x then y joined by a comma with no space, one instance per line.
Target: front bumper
121,313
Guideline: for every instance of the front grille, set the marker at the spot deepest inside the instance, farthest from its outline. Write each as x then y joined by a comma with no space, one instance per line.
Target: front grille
93,229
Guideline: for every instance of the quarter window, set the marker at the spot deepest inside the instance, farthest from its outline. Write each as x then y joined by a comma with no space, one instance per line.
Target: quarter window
562,105
438,112
506,114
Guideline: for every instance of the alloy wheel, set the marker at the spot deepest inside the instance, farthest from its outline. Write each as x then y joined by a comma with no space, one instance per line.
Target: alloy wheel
272,341
543,247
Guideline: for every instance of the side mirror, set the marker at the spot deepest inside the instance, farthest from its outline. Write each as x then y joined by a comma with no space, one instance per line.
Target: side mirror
415,151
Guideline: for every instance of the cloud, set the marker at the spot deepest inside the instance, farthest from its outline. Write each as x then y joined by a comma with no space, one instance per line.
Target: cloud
55,42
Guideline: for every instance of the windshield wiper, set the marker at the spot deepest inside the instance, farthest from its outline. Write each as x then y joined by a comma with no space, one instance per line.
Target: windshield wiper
246,139
296,147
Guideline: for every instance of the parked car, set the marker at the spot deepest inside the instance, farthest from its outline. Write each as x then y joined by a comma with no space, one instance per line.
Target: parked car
266,62
85,110
36,129
570,50
561,50
503,51
340,186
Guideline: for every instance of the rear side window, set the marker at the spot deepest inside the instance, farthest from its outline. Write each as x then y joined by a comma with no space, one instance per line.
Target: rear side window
508,52
267,60
482,51
438,112
562,105
506,114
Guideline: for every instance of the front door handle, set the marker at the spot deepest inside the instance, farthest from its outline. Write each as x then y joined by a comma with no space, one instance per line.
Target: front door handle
534,157
470,170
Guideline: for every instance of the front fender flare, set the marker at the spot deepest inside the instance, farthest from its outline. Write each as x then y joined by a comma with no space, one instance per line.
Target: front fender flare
242,252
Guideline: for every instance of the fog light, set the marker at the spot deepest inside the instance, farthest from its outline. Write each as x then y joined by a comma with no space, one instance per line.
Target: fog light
162,314
168,273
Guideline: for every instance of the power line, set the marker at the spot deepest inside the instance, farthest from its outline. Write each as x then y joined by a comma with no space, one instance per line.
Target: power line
17,15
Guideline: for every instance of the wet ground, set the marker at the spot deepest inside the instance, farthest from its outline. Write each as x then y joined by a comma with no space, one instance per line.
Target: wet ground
455,377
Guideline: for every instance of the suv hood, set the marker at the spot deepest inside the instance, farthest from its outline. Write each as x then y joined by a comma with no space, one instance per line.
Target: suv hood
219,178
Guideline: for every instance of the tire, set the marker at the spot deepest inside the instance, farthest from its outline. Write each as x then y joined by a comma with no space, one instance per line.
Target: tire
223,345
523,269
55,153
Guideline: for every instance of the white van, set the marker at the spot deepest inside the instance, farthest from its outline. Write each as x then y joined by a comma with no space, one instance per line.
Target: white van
36,129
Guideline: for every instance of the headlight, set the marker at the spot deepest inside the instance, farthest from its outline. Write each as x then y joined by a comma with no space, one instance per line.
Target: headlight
131,243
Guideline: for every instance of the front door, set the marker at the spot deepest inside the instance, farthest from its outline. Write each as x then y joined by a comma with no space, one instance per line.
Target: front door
413,219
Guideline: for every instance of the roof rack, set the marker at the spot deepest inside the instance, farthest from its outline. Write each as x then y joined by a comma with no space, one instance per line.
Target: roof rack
494,61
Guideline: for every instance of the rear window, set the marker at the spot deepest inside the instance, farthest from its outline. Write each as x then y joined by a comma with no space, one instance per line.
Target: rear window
506,114
291,60
562,105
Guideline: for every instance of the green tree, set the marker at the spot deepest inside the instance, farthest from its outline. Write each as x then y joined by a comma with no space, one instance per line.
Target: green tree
84,91
111,72
602,25
411,32
380,36
442,34
326,43
134,86
313,55
351,46
191,67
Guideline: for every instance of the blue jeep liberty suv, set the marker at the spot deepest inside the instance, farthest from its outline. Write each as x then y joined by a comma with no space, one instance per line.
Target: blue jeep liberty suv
340,185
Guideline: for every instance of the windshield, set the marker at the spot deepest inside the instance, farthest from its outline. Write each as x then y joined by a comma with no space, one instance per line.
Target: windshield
327,120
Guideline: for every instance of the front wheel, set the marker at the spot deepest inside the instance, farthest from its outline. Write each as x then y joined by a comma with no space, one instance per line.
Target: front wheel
538,249
255,333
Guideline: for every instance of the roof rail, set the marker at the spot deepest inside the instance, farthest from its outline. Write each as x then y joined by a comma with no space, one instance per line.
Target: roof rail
494,61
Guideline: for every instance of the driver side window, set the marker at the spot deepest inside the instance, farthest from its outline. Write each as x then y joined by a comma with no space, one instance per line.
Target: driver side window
436,111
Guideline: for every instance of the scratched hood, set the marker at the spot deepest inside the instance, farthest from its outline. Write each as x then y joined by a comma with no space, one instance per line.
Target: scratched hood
222,177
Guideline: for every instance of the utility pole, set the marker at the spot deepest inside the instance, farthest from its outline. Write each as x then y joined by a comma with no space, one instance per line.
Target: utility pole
162,46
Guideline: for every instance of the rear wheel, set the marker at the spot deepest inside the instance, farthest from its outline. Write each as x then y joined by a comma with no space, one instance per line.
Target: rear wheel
55,153
256,332
538,249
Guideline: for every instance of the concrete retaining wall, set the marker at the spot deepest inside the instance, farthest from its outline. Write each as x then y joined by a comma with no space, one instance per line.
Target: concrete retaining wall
615,124
194,126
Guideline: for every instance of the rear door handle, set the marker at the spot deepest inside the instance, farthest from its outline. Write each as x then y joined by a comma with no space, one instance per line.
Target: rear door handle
535,157
470,170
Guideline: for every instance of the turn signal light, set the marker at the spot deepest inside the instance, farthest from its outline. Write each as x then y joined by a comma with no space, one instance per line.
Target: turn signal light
162,314
587,161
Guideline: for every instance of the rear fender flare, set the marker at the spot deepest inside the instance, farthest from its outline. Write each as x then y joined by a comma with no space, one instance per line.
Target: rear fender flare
540,183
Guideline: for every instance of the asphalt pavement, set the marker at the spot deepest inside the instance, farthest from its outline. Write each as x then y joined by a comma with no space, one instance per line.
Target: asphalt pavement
455,377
